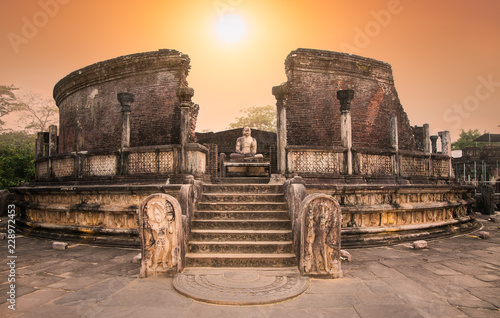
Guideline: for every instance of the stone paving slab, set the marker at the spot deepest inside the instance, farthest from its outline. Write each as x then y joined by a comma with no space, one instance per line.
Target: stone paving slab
455,277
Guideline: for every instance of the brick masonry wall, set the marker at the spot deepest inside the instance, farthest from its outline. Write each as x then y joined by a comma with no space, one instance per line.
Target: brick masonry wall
90,114
313,111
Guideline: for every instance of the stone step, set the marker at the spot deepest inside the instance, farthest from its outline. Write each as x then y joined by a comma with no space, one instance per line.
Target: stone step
243,188
243,197
235,206
270,224
240,215
243,180
240,260
260,247
220,235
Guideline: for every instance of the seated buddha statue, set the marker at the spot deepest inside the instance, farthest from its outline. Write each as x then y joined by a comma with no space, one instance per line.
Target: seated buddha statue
246,147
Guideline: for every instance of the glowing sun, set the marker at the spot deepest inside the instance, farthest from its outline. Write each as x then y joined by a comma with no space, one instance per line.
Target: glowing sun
230,28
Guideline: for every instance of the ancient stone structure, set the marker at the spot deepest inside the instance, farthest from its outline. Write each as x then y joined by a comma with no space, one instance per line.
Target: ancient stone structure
126,131
320,220
162,235
355,170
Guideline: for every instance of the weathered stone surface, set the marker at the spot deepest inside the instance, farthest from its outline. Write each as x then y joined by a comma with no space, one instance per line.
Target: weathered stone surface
241,226
488,195
483,234
240,287
59,245
155,117
345,255
419,245
315,76
162,235
320,218
137,259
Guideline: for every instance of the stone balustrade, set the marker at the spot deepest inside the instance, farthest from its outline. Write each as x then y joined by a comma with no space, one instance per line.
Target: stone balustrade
136,161
328,161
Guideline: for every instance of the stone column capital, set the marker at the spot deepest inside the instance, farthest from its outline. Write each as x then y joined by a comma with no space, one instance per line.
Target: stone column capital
126,100
185,94
345,97
281,93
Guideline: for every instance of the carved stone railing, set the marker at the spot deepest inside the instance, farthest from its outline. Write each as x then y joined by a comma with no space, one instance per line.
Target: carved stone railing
149,160
414,164
374,162
327,160
134,161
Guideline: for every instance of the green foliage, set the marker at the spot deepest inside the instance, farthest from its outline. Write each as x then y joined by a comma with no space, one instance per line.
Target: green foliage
258,117
17,158
466,139
8,100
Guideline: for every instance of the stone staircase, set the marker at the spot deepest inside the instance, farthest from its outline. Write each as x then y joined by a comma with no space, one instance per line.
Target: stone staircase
241,225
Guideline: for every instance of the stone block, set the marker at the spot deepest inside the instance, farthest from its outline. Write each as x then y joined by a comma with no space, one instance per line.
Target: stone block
59,245
483,235
137,259
345,255
419,245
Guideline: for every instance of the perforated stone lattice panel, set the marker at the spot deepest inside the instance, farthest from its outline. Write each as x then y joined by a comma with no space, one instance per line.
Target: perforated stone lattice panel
63,167
142,162
100,165
166,162
440,167
413,166
317,162
368,164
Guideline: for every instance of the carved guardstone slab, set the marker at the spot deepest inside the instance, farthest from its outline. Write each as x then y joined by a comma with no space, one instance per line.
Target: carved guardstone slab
160,227
321,218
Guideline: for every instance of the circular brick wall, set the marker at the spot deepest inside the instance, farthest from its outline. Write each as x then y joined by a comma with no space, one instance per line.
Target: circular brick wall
90,114
313,111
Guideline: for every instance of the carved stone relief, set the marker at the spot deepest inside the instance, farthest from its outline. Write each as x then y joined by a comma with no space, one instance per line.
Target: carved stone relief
321,219
160,222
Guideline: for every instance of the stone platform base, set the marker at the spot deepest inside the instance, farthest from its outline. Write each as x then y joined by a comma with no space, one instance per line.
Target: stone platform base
245,286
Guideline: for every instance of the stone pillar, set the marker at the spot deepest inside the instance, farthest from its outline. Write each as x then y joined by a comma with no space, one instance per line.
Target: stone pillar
281,94
185,94
52,140
446,148
395,143
45,143
427,145
345,97
488,196
445,142
394,133
434,139
126,100
39,145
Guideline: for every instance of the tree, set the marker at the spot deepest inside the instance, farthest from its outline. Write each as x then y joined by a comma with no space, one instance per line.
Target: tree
8,101
466,139
36,112
258,117
17,158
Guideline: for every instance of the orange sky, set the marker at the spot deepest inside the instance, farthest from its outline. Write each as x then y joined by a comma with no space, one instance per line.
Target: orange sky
445,54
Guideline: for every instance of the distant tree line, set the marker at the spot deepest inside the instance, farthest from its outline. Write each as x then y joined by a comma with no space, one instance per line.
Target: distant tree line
34,113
